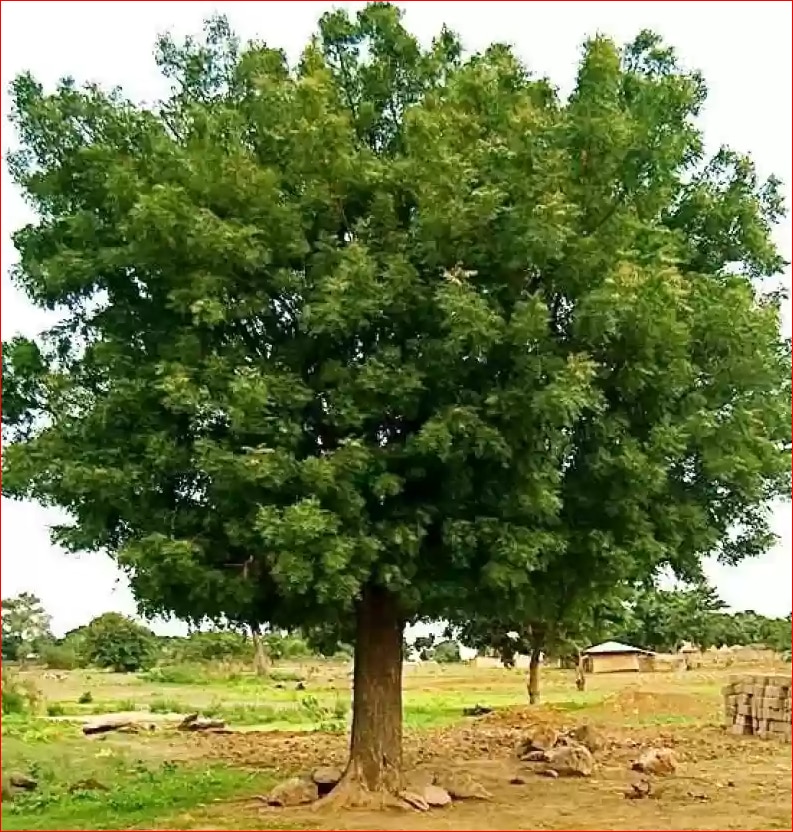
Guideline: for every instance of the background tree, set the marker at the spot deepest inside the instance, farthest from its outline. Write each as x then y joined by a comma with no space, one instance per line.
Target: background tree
11,645
424,646
392,334
115,641
26,626
564,631
447,651
663,619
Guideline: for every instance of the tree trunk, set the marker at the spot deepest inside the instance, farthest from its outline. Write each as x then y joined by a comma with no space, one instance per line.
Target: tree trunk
261,661
580,678
373,772
534,676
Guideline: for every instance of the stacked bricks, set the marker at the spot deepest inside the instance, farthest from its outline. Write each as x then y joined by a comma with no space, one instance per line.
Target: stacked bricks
758,705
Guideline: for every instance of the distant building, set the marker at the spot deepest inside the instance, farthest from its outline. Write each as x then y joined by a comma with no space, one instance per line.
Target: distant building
613,657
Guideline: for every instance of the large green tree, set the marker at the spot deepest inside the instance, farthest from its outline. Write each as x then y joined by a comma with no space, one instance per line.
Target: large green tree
391,333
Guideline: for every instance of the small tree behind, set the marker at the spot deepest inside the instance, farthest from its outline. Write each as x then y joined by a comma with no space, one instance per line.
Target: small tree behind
112,640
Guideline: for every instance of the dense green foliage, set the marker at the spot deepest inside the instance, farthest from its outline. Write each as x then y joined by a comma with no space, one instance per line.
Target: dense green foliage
115,641
207,646
663,620
395,318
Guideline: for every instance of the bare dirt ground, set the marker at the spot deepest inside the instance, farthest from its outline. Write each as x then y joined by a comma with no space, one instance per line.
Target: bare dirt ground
724,782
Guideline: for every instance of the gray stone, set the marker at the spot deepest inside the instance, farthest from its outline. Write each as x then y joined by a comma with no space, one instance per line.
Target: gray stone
436,796
297,791
572,761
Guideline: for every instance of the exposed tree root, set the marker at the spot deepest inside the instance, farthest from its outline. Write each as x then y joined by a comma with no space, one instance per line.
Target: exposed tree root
351,792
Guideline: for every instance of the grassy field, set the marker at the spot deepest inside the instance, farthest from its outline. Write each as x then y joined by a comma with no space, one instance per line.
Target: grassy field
297,719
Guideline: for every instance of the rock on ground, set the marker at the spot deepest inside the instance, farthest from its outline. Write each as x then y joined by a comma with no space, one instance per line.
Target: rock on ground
297,791
590,737
326,778
538,738
571,761
23,781
414,800
436,796
659,761
461,786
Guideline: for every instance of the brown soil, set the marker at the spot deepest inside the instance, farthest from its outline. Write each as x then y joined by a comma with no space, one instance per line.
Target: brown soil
724,782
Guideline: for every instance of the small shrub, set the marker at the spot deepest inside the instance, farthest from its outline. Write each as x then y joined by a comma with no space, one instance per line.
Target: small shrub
341,709
285,676
177,674
18,696
447,652
14,701
55,709
85,698
126,705
215,708
59,657
167,706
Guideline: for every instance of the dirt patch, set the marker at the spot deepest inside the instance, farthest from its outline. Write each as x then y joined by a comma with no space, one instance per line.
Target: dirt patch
644,703
723,782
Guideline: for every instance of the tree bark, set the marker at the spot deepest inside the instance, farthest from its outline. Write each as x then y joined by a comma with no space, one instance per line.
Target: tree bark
261,661
580,678
373,772
534,676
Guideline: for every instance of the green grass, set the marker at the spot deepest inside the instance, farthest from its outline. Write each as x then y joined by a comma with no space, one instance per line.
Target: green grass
137,794
206,674
28,731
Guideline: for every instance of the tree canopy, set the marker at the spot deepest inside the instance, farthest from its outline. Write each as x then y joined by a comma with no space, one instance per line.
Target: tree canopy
394,332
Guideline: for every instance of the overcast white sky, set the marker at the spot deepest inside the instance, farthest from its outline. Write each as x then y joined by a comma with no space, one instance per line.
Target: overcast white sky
743,49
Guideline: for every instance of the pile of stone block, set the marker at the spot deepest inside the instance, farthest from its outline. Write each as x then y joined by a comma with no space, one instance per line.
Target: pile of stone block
759,705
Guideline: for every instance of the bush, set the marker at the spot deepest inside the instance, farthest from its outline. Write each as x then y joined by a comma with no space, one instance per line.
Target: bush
59,657
85,698
56,709
178,674
18,697
115,641
167,706
214,646
447,652
287,647
14,701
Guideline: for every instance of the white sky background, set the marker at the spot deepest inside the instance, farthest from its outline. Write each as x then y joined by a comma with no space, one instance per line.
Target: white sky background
743,49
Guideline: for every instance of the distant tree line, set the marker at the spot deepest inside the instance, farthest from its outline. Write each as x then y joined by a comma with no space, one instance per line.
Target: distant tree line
120,643
647,616
650,617
663,619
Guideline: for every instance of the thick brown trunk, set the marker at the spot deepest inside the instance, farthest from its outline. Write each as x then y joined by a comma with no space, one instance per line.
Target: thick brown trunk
261,661
376,743
534,677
